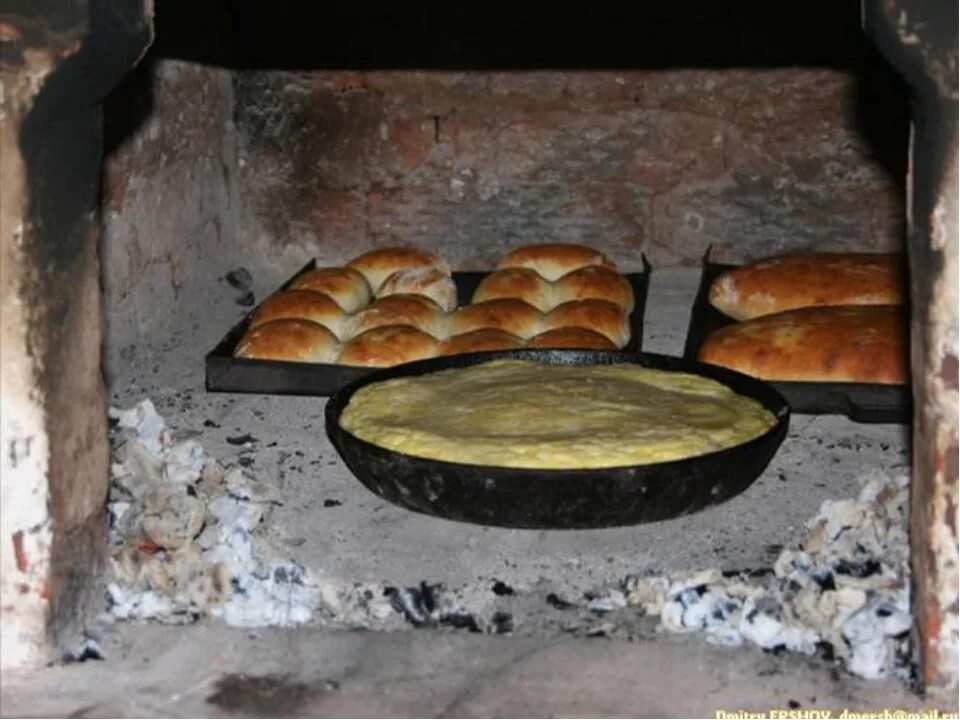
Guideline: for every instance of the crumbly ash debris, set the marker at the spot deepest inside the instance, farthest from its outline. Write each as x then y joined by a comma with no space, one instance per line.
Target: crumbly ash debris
843,593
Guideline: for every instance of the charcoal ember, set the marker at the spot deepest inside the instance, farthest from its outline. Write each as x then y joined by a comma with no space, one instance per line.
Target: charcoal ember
239,278
171,517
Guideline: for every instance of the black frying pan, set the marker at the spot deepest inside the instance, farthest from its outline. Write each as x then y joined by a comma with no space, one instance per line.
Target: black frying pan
530,498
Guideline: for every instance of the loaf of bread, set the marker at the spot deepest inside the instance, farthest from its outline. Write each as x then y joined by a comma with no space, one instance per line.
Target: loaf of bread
480,341
519,283
602,316
377,265
514,316
553,260
302,305
575,338
862,343
594,282
413,310
801,280
289,340
427,281
387,346
347,287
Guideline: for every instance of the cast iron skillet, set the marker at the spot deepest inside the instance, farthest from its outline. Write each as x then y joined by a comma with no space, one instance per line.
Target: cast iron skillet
529,498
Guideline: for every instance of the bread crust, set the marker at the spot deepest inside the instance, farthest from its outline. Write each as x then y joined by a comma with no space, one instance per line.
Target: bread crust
427,281
865,343
289,340
346,286
786,282
480,341
388,346
509,314
577,338
602,316
553,260
416,311
378,265
594,282
520,283
302,305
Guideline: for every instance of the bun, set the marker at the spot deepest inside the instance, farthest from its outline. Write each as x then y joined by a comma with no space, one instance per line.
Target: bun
416,311
480,341
821,344
602,316
787,282
347,287
378,265
290,340
594,282
429,282
388,346
554,260
520,283
571,337
302,305
509,314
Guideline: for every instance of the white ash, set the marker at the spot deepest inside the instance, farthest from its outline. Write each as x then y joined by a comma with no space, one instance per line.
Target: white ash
844,591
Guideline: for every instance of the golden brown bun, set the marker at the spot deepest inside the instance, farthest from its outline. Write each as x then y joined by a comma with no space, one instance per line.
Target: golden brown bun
594,282
520,283
553,260
429,282
413,310
378,265
801,280
571,338
387,346
514,316
480,341
302,305
291,340
602,316
348,287
856,343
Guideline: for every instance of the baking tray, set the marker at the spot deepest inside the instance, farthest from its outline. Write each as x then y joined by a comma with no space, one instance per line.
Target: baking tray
560,499
861,402
225,373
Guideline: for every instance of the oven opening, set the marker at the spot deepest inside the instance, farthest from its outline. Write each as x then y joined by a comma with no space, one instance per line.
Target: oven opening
166,505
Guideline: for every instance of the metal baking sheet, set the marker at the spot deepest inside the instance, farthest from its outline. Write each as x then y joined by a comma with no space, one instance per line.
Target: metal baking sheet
225,373
560,499
861,402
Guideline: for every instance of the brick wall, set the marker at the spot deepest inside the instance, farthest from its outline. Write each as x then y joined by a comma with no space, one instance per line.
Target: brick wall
668,163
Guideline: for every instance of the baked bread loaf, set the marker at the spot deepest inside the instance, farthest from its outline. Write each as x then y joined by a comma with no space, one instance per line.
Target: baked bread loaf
413,310
553,260
801,280
865,343
302,305
346,286
594,282
427,281
520,283
480,341
378,265
290,340
571,338
514,316
602,316
387,346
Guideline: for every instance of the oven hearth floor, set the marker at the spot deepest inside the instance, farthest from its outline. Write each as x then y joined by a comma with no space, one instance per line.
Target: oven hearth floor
215,671
330,522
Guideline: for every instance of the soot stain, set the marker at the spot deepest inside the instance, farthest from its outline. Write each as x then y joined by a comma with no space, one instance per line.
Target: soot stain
265,695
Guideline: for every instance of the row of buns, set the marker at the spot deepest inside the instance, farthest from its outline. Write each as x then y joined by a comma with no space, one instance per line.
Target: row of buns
813,317
399,304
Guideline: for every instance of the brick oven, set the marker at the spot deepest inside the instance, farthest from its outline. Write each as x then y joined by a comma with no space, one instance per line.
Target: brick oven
167,165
